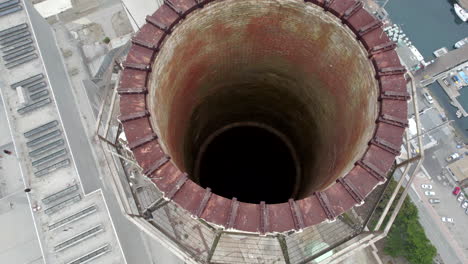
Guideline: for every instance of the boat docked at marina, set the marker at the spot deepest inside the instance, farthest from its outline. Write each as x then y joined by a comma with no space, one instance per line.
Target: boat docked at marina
461,43
461,13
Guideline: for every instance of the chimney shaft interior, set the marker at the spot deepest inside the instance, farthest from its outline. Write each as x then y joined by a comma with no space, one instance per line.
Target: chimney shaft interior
263,100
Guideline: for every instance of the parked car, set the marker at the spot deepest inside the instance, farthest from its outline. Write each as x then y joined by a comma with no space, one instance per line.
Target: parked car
446,82
447,219
429,193
426,186
434,201
464,205
461,198
456,190
428,97
466,211
453,157
443,116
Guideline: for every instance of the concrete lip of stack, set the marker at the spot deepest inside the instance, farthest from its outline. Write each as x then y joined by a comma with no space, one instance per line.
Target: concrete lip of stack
321,73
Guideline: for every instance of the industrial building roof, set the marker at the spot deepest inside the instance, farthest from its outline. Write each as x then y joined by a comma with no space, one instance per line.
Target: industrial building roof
460,169
64,215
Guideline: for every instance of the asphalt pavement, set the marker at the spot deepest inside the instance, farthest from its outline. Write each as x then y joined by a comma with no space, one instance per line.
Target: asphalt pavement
449,239
441,234
431,222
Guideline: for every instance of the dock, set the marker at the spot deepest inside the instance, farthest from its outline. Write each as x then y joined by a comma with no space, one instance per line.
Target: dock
441,66
444,67
440,52
453,93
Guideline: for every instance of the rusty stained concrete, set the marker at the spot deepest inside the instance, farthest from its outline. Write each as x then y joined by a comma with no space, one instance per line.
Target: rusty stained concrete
162,111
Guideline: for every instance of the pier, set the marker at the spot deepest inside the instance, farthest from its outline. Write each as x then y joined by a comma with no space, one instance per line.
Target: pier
441,52
440,69
452,92
441,66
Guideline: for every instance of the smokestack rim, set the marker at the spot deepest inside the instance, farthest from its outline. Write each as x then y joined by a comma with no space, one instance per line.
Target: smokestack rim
349,191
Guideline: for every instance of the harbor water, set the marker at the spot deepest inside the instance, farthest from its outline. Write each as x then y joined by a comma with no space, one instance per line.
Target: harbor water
430,25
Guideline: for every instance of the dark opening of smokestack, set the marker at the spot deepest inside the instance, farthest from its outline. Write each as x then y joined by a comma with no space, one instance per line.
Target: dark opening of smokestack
263,100
252,153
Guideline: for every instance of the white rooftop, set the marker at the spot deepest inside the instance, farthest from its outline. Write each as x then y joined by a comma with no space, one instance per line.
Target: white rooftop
57,198
50,8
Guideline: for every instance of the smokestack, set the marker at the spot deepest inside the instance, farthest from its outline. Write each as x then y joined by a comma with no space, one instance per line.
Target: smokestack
264,115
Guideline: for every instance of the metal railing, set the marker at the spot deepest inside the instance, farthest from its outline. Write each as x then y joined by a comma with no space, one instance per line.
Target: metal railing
35,87
40,129
50,157
196,241
52,168
53,134
79,238
29,80
19,61
46,148
74,217
13,29
60,194
60,206
92,255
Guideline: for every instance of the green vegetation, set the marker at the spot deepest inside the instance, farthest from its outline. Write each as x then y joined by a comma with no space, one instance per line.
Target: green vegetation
106,40
347,219
380,207
406,237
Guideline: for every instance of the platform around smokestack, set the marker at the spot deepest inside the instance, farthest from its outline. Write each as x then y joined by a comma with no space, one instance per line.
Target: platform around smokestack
210,228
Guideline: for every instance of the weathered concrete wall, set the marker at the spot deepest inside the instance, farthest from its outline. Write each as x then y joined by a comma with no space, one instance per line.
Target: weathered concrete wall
286,64
159,124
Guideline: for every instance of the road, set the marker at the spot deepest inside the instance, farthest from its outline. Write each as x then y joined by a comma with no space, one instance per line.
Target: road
450,240
438,234
441,234
135,245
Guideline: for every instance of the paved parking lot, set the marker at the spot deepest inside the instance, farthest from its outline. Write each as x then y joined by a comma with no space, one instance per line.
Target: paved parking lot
448,207
449,239
440,141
